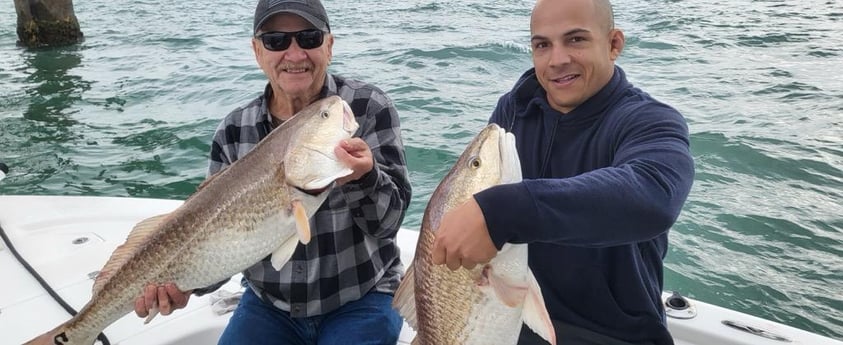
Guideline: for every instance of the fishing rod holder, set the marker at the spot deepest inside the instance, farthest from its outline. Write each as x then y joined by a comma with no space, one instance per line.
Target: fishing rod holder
679,307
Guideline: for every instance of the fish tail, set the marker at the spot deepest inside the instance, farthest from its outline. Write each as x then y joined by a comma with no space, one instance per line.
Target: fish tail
63,335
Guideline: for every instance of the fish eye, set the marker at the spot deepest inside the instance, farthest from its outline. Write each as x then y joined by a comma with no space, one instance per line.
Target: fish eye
324,114
474,163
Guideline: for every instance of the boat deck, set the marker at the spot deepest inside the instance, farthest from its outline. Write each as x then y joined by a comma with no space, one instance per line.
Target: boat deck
68,239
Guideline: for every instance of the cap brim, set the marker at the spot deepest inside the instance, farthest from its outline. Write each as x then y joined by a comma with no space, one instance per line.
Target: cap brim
308,17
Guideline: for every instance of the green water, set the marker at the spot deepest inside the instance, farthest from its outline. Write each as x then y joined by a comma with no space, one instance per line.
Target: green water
130,112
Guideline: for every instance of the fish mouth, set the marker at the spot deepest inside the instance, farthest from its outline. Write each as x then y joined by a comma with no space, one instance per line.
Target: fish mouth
317,191
510,163
349,123
326,182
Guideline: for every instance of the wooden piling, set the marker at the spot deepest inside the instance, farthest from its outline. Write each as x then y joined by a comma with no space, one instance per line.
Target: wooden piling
47,23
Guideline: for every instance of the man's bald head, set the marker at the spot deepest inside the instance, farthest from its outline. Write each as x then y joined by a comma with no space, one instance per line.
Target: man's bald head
603,10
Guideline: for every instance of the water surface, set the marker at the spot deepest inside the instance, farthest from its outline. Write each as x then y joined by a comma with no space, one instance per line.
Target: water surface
130,112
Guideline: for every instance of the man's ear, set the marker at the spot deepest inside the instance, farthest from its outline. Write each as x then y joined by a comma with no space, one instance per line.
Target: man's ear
616,43
255,47
329,41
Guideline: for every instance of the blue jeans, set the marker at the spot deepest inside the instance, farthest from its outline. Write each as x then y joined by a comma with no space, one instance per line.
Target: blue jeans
369,320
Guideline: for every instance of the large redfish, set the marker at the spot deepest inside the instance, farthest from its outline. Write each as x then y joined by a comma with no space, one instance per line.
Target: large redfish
485,305
260,205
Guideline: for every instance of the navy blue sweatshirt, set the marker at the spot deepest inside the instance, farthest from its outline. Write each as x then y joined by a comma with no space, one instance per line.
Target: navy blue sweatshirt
602,186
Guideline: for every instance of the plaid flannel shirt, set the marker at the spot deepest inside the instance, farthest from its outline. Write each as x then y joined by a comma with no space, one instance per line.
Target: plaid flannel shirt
353,250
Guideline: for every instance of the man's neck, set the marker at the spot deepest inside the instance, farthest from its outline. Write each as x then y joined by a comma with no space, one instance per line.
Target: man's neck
283,106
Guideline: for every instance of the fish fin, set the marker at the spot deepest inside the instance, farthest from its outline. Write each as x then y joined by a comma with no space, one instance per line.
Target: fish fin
153,312
207,181
509,293
283,254
535,313
302,222
326,181
405,298
123,253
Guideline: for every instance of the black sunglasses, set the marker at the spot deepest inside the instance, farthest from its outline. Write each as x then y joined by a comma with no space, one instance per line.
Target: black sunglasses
278,41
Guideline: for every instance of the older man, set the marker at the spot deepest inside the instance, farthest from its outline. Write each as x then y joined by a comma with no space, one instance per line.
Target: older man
316,298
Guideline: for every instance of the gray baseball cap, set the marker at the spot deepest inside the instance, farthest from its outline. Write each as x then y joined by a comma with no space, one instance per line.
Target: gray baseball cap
310,10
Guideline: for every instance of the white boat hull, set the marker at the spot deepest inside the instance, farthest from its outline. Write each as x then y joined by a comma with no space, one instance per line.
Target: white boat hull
67,239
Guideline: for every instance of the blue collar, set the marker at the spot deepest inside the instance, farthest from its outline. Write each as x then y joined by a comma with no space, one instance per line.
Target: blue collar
529,92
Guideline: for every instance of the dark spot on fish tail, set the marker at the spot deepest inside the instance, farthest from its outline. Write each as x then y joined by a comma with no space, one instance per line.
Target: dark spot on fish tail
60,339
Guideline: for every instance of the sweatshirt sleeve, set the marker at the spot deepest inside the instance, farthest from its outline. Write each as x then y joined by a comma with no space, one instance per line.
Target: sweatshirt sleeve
636,198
